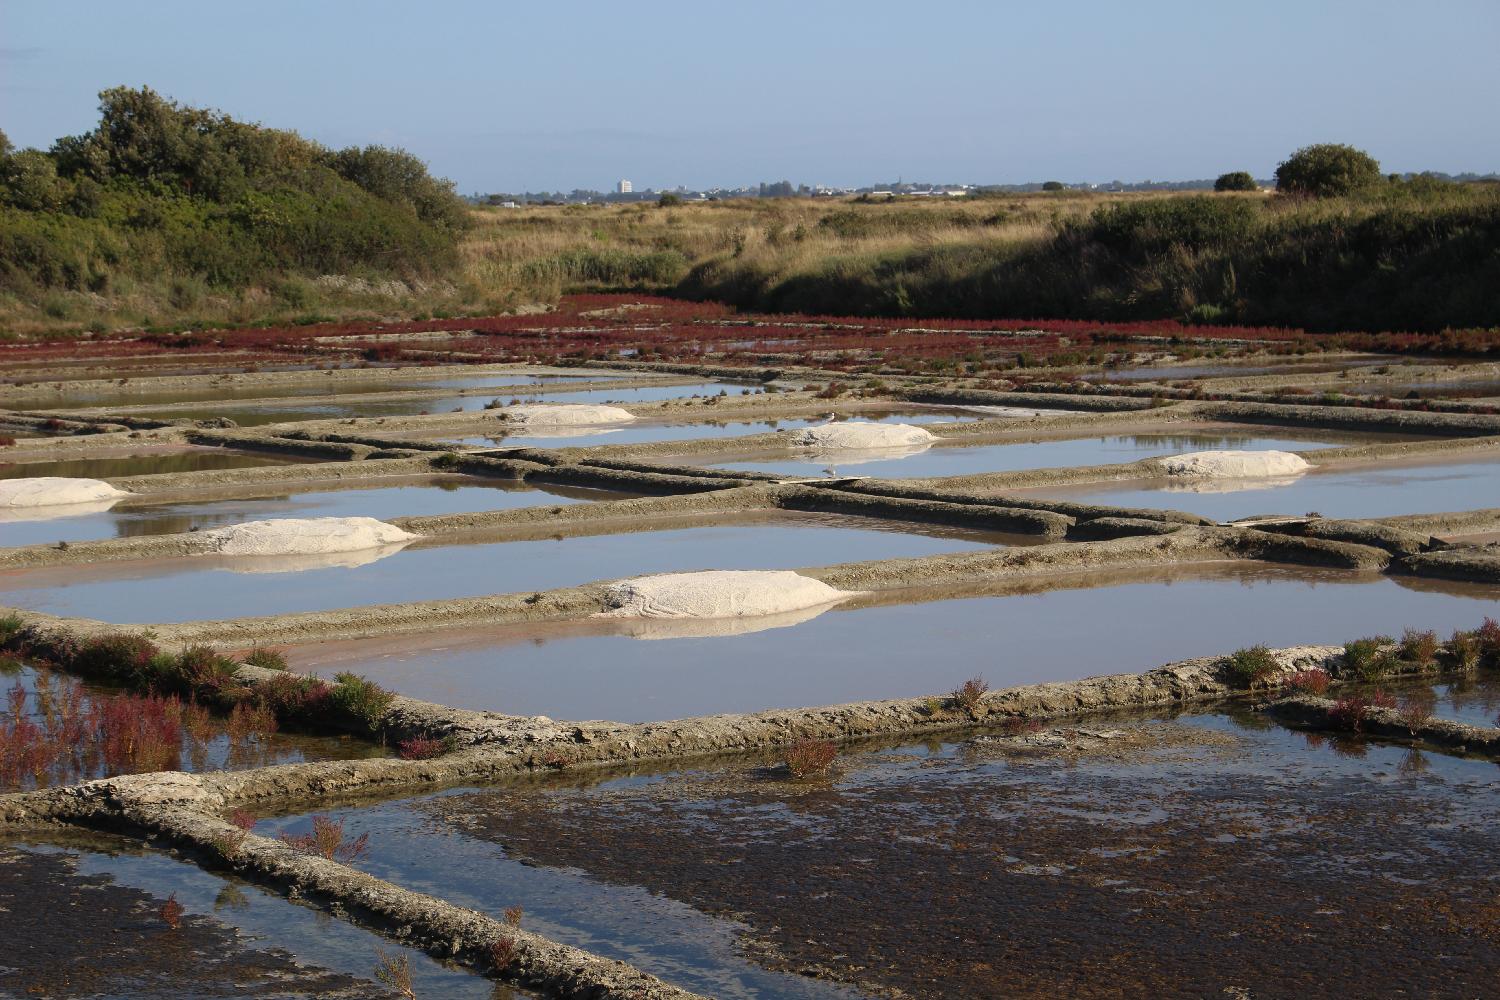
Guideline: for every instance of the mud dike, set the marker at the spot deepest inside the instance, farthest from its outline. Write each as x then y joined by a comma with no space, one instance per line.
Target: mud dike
713,516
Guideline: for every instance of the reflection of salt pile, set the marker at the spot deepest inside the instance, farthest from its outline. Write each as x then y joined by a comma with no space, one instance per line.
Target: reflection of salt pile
297,543
562,431
1234,464
713,628
45,497
316,560
1229,485
718,602
564,414
852,442
1016,411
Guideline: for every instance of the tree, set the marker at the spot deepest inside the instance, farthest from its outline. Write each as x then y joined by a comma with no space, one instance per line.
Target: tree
668,200
1052,186
1238,180
1327,170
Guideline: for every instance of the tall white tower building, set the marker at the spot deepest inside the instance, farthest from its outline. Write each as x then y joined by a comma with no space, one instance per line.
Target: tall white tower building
624,187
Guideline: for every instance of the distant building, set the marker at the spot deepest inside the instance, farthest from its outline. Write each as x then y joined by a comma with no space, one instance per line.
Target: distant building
624,187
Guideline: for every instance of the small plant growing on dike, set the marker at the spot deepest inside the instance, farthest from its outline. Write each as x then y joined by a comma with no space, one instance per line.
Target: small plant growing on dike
513,915
395,971
361,698
1416,708
1247,668
1366,659
1418,648
808,757
327,840
269,659
171,912
1487,635
422,748
968,695
1463,650
1312,681
503,952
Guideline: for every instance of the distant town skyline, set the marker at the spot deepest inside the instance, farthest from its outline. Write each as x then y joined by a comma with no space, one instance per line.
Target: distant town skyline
521,98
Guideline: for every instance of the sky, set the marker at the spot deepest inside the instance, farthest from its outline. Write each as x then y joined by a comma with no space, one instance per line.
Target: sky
501,96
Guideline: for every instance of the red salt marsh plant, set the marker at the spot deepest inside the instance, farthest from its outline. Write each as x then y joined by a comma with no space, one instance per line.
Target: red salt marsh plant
1311,681
421,748
171,912
808,757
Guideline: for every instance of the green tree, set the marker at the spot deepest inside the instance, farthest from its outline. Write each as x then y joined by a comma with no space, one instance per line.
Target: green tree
1327,170
1053,186
669,199
1238,180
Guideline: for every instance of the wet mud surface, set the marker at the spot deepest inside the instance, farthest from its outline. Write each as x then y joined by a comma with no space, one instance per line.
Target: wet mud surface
1061,628
1202,857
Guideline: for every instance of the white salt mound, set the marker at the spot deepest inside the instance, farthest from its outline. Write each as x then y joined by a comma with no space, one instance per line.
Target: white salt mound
1234,464
718,594
565,413
296,536
859,436
55,491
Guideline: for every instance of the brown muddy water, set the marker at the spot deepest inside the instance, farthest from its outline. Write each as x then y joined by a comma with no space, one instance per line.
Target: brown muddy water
1199,855
254,416
1413,487
416,496
177,590
144,463
79,915
959,459
55,703
1021,634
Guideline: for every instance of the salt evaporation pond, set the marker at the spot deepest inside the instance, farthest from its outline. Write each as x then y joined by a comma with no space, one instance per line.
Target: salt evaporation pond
417,496
959,459
205,587
142,464
592,670
1340,492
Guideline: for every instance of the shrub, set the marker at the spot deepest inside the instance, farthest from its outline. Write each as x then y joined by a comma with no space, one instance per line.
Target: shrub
361,698
1245,668
1463,647
1365,659
1307,682
1487,636
292,698
1348,714
421,748
1416,708
395,972
269,659
969,694
807,757
1327,169
1418,648
502,952
1053,185
1237,180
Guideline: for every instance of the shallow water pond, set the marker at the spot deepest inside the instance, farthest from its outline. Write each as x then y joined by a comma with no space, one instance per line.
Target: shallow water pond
146,463
1116,843
1111,623
957,459
1347,492
409,498
645,433
179,590
101,934
253,416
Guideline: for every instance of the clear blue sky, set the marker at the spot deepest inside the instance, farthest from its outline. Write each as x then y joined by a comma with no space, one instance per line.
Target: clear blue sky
502,96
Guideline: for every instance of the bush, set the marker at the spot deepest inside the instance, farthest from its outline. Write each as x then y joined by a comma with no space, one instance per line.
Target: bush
669,200
1418,648
1238,180
969,694
361,698
268,659
806,757
1246,668
1053,186
1313,682
1366,659
1326,170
